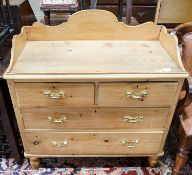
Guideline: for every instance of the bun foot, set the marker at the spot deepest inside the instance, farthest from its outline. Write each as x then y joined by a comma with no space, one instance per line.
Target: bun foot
35,162
153,161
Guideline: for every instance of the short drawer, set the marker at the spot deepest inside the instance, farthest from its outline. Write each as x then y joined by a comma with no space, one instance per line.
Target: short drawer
54,94
136,94
95,118
94,143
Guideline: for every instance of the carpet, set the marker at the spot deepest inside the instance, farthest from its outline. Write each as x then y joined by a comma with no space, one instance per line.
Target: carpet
72,166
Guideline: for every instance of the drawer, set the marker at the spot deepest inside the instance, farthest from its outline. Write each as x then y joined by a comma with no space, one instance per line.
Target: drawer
54,94
135,2
136,94
94,143
147,2
141,13
95,118
144,13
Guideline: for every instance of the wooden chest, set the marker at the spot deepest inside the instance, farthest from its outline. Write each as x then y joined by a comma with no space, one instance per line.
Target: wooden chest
142,10
94,87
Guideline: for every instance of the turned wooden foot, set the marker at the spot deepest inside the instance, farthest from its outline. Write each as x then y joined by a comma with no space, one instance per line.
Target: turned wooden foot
35,162
182,155
181,159
153,160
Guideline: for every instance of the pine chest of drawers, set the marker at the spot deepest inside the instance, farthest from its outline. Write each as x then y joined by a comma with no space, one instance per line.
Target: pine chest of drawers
94,87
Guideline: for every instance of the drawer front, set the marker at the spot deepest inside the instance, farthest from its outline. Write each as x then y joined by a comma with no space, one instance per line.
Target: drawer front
147,2
136,94
139,2
54,94
141,13
94,143
95,118
144,14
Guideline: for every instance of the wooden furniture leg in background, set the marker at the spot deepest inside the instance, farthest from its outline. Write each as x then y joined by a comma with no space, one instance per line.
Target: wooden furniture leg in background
128,11
185,130
120,10
185,147
47,17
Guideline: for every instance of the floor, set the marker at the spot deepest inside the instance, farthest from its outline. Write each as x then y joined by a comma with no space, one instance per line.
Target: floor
83,166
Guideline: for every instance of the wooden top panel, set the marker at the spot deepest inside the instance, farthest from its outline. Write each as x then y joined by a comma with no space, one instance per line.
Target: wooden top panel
93,45
92,25
94,57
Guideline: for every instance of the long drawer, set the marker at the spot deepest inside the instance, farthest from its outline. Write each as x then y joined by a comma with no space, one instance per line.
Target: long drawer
136,94
94,143
94,118
54,94
141,13
146,2
144,14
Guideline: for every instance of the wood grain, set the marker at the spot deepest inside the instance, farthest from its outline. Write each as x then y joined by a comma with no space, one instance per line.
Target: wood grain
82,57
104,26
95,61
99,28
96,143
114,94
167,41
76,94
94,118
18,114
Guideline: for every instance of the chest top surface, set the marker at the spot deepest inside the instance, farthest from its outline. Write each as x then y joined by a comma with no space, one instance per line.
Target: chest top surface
94,57
93,42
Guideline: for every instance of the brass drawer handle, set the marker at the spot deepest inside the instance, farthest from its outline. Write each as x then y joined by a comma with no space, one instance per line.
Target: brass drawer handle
59,144
129,143
132,119
62,119
137,95
54,95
